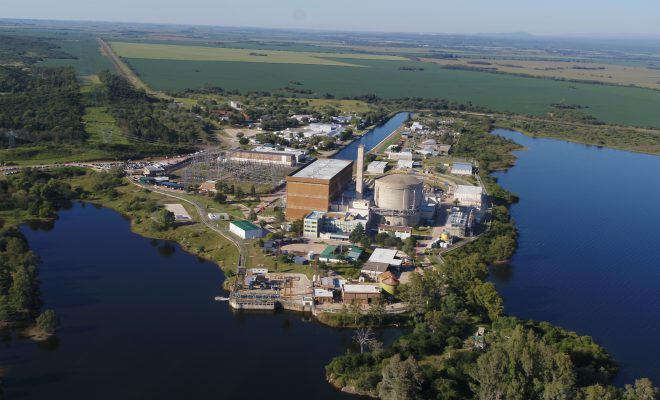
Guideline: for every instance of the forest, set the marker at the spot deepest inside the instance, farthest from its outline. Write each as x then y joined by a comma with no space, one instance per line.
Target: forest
40,105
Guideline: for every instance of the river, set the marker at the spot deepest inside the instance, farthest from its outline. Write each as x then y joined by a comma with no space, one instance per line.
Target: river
373,137
139,321
588,256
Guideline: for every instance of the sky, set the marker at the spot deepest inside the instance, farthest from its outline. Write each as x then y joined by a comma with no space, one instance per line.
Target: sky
557,17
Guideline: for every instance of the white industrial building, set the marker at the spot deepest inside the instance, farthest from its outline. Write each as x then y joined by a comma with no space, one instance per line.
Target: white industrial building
245,229
469,195
461,169
377,167
403,155
318,128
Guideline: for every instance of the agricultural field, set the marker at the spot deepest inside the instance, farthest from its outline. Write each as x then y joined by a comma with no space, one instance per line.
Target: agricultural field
202,53
598,72
499,92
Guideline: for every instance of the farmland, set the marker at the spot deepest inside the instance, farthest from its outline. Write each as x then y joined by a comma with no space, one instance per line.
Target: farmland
202,53
500,92
596,72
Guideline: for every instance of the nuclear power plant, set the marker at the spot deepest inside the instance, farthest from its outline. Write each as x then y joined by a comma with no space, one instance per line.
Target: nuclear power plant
322,195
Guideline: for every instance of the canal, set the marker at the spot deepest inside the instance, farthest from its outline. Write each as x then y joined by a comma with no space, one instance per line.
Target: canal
139,321
588,250
373,137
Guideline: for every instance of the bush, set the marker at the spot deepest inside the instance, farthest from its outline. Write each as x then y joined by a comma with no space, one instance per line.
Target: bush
48,322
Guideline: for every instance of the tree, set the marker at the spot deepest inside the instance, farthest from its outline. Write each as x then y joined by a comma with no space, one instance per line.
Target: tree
363,336
253,215
243,141
238,193
358,234
48,322
163,219
253,191
297,227
409,246
220,198
402,380
501,248
642,390
486,296
262,223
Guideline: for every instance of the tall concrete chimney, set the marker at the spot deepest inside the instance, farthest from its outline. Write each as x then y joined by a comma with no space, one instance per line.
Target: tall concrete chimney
359,187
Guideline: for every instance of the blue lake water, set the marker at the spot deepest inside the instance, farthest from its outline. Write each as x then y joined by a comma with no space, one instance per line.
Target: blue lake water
589,253
373,137
139,322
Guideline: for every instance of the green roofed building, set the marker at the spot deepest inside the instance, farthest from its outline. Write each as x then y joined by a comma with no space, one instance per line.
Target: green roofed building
329,254
245,229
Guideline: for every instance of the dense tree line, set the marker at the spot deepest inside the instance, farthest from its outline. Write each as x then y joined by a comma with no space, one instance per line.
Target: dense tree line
19,280
38,192
149,120
29,50
40,105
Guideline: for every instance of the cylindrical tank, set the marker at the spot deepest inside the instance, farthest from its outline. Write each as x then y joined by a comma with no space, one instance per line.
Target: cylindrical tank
389,285
399,192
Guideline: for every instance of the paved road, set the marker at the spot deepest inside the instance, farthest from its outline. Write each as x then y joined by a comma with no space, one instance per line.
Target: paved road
203,216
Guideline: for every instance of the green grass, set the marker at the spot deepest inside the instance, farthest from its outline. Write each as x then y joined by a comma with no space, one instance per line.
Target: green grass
85,47
102,127
500,92
35,155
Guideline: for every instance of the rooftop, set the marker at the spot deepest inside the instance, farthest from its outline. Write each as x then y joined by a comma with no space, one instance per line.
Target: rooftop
328,252
462,167
377,165
323,168
348,288
245,225
318,292
386,256
180,213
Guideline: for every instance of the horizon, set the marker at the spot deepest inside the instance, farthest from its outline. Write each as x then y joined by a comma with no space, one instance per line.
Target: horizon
590,19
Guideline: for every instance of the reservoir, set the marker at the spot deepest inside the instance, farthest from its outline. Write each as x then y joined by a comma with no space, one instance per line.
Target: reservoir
138,321
373,137
589,254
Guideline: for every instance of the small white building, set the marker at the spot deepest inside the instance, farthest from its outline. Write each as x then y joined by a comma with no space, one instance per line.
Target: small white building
403,155
461,169
469,195
401,232
377,167
245,229
403,164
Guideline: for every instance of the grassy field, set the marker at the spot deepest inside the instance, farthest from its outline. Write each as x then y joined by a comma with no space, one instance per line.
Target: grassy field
500,92
86,48
201,53
600,72
102,127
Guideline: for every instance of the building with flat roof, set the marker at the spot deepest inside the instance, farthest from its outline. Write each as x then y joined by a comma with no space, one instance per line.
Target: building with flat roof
360,294
262,157
315,186
461,169
459,221
377,167
245,229
402,232
469,195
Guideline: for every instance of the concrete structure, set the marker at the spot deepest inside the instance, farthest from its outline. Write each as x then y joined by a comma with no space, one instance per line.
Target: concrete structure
152,170
469,195
398,198
377,167
180,213
461,169
402,232
405,164
359,184
330,130
218,216
314,187
381,260
245,229
300,154
322,296
459,221
274,157
360,294
404,155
